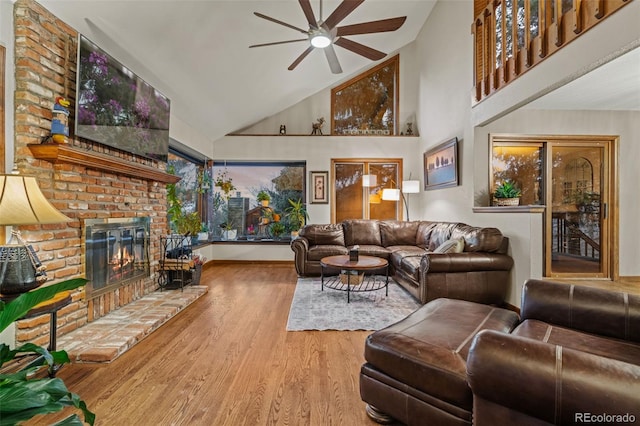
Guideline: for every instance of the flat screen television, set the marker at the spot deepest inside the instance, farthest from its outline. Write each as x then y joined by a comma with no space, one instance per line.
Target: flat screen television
117,108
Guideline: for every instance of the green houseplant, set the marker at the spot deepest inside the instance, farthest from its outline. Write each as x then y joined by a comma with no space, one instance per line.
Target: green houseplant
264,198
22,394
296,215
506,194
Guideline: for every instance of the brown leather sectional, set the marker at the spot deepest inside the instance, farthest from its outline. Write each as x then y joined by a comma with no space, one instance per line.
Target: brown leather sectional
479,274
572,357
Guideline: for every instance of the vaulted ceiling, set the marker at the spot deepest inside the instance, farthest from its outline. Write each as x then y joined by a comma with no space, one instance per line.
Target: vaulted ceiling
197,52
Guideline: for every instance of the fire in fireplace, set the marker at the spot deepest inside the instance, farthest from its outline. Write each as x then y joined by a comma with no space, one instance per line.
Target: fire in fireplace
116,252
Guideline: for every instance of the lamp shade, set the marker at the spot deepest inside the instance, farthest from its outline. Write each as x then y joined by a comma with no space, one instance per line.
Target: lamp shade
369,180
411,186
391,194
22,202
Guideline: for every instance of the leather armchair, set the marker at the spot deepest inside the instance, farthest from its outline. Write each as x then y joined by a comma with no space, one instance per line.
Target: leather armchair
574,358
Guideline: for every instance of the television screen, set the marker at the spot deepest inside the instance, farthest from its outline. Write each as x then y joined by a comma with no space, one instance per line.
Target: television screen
115,107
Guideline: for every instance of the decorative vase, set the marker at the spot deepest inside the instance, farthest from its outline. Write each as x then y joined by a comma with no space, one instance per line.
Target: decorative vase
229,234
265,203
203,236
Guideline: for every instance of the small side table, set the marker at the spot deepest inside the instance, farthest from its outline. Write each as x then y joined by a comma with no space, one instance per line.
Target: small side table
51,307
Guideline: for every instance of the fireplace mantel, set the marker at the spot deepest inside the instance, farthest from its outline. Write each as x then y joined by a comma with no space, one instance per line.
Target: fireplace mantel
59,153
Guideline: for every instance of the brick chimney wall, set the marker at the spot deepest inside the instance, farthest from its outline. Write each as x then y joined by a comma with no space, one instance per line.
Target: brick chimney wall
45,52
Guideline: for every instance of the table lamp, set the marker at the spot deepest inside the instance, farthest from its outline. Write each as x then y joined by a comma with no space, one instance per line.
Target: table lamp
22,203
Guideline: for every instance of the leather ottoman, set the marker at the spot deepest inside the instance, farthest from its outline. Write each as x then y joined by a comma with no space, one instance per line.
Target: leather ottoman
415,370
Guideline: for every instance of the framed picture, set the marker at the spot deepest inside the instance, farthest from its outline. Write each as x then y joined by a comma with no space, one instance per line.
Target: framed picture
319,187
441,165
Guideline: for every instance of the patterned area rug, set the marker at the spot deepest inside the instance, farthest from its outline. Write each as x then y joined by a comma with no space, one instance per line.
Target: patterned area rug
314,309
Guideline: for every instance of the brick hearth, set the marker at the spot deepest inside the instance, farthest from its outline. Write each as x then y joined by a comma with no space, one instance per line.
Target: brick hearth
110,336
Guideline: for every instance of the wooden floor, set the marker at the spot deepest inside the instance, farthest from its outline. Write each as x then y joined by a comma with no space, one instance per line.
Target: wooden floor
228,360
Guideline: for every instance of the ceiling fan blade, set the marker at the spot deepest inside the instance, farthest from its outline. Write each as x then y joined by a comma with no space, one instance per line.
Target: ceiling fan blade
360,49
341,12
381,26
332,58
308,13
300,58
268,18
279,42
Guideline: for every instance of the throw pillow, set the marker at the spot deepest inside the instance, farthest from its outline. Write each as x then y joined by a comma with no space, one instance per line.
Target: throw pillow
451,246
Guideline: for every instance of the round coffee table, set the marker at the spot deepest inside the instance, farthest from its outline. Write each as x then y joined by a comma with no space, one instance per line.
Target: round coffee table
351,270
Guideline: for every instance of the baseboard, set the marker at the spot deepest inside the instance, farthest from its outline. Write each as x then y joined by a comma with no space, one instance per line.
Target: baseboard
248,262
630,279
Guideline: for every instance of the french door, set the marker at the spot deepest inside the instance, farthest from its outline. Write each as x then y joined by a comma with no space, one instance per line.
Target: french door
579,214
354,198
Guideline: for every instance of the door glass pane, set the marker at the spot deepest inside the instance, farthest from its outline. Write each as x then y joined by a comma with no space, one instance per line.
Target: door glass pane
387,177
348,187
576,207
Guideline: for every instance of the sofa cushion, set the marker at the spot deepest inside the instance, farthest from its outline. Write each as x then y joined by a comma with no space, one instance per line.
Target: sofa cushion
395,233
361,232
423,235
373,250
607,347
479,239
331,234
316,253
428,349
440,233
400,252
454,245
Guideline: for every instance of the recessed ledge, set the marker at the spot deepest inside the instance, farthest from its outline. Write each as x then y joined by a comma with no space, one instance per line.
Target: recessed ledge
510,209
60,153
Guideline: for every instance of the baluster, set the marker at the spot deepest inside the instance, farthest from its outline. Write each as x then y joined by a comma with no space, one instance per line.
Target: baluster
542,28
514,38
558,19
527,32
577,12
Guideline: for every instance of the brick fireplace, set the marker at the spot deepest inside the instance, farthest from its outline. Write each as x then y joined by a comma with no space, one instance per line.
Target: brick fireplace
86,181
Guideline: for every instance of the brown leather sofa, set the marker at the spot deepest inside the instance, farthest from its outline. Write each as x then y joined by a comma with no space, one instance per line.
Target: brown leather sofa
573,357
479,274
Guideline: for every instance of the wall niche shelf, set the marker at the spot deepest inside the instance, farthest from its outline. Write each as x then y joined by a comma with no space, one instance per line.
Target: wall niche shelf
58,153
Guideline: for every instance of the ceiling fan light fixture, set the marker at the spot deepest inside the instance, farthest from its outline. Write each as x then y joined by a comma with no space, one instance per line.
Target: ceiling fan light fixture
320,40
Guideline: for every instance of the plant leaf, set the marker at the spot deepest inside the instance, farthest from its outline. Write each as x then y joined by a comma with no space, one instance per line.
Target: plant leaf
19,306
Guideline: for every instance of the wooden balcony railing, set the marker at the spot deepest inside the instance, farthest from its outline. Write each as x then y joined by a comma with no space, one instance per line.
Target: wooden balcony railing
506,48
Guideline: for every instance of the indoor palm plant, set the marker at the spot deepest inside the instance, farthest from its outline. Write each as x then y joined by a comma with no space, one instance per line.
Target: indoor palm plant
296,215
22,394
506,194
264,198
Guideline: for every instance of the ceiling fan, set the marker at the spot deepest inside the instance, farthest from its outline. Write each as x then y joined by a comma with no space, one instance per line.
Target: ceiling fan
323,34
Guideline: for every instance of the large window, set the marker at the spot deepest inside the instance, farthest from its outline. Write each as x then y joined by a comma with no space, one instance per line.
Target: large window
249,201
187,210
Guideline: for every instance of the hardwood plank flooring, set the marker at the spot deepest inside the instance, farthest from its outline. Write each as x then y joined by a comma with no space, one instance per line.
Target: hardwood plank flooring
228,360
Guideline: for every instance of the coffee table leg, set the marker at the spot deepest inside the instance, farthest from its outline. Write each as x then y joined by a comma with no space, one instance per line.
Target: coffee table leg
348,286
321,278
386,285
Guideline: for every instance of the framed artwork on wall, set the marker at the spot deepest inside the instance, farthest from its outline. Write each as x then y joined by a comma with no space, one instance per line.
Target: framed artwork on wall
441,165
319,187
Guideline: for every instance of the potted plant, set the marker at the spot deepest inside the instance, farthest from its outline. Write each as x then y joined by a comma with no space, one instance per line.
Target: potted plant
251,232
277,229
225,183
264,198
506,194
203,235
23,394
296,215
228,232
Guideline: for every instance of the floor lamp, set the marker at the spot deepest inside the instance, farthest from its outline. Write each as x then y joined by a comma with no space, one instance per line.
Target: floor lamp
394,194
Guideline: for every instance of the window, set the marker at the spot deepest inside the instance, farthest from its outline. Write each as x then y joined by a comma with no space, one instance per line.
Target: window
367,104
186,207
354,199
520,163
251,199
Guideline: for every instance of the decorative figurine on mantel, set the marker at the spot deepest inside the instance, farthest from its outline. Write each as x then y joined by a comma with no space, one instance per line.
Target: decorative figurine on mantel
60,121
409,131
317,126
283,129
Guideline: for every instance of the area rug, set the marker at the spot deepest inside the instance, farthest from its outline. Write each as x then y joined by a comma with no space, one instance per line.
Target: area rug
314,309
